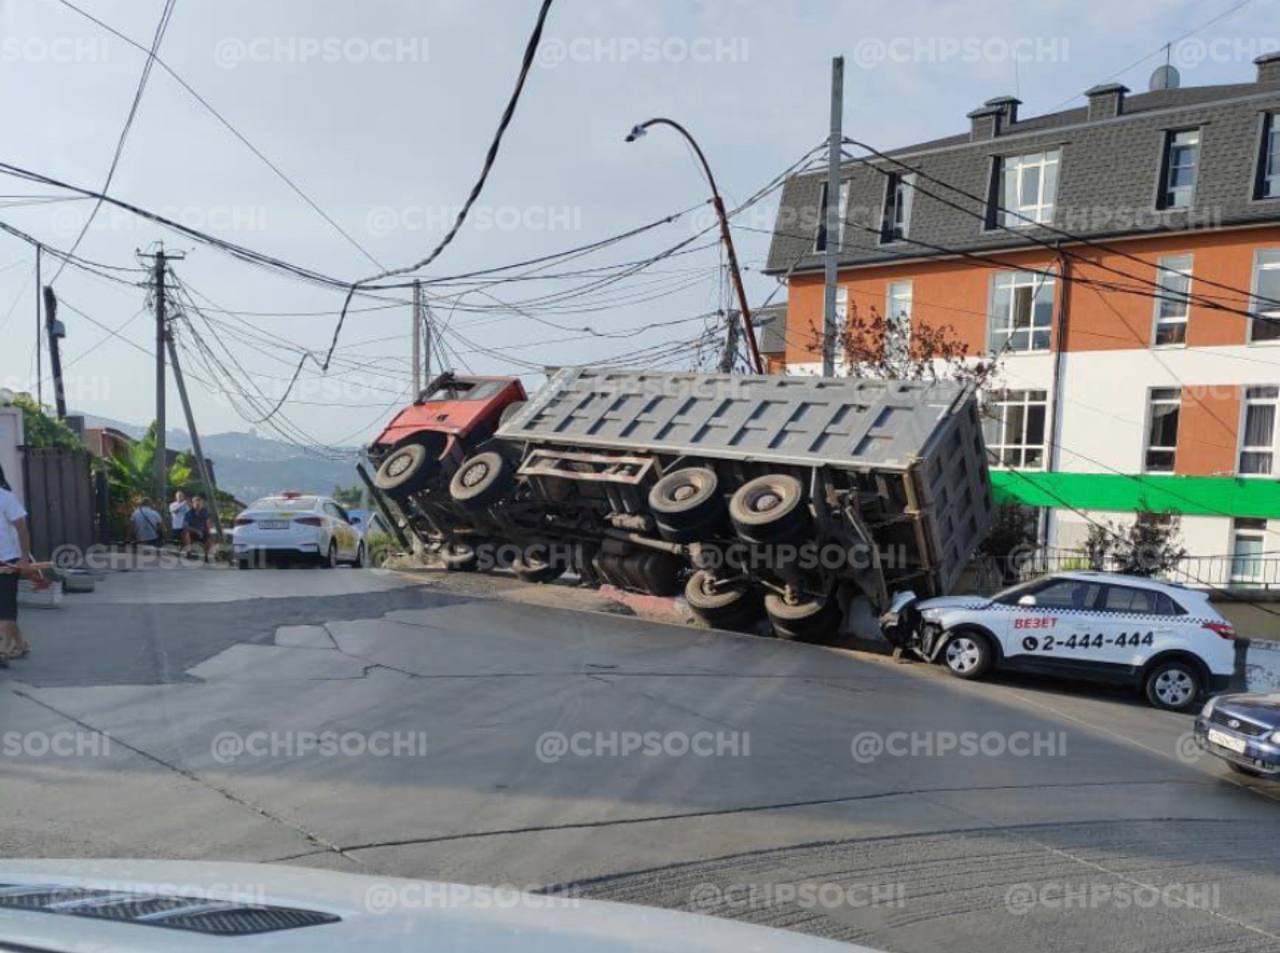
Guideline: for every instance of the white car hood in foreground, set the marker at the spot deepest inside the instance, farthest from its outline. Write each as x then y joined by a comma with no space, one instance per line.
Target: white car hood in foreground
377,914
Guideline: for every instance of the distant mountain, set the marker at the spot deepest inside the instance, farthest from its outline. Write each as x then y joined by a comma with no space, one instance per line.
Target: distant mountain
249,465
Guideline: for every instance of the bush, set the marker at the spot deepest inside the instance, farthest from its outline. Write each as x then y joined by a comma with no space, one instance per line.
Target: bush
380,547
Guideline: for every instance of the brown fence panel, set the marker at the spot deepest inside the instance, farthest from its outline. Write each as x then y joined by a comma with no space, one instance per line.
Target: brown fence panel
59,500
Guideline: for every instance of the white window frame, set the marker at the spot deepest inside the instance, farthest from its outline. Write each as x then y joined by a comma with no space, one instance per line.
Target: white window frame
1253,534
1167,268
897,212
1039,284
1027,214
999,401
1247,401
894,296
1166,169
1147,448
1264,259
841,212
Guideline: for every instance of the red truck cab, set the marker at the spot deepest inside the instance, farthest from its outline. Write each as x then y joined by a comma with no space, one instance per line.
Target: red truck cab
430,437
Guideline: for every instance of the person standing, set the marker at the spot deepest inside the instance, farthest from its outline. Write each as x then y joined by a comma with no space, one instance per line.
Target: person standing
148,529
15,555
178,510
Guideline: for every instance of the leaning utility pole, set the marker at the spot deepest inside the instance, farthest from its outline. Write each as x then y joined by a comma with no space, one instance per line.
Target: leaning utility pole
201,464
55,332
417,339
426,345
832,221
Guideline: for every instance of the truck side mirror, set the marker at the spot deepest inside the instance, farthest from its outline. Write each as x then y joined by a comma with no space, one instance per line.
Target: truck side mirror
1027,600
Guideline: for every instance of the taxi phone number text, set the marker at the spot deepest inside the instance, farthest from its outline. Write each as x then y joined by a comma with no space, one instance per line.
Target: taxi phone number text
1125,639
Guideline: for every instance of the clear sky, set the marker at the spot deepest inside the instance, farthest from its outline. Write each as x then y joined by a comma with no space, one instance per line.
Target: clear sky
381,112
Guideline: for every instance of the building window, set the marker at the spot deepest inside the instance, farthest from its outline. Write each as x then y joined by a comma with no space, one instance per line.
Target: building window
1163,406
1173,274
1014,427
897,207
1269,161
1028,186
1266,295
1181,156
1247,547
820,236
1021,311
898,320
1258,433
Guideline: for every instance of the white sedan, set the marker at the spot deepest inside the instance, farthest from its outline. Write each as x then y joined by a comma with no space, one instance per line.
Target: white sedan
296,526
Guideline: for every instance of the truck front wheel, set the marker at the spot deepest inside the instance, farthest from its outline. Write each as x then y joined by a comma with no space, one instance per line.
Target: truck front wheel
815,620
406,470
482,480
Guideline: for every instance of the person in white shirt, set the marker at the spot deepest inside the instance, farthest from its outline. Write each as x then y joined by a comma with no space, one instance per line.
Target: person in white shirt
15,554
178,514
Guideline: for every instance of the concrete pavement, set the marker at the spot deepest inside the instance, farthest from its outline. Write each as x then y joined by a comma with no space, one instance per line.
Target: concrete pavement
916,848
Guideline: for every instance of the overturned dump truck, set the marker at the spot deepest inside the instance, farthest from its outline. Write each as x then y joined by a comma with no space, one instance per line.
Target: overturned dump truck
789,497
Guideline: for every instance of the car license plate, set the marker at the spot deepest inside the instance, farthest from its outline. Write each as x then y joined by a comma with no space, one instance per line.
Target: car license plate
275,524
1226,741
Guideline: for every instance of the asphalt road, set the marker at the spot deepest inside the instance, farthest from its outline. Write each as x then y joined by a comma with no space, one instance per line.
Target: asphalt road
481,733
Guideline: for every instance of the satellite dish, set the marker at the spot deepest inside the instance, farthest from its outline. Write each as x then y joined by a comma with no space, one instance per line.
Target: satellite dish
1165,77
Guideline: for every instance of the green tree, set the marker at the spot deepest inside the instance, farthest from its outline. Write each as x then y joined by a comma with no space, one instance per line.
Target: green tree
349,495
41,431
131,471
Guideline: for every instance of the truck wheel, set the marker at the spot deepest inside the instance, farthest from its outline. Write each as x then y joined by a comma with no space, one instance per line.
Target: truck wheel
968,655
1173,685
770,509
405,471
459,557
510,411
685,501
730,605
482,480
814,620
533,569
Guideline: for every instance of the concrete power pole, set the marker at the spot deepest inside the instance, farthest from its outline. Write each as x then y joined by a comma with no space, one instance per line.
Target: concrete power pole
161,460
39,324
55,332
832,223
202,465
417,339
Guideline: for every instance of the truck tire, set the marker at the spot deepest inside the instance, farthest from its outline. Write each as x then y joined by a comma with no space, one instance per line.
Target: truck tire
510,411
459,557
685,502
406,470
533,569
730,605
482,480
770,509
815,620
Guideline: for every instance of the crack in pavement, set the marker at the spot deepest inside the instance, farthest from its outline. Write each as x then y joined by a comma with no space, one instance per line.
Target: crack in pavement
325,845
759,808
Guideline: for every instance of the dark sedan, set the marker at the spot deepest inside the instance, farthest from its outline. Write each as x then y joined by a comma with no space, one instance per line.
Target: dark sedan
1244,731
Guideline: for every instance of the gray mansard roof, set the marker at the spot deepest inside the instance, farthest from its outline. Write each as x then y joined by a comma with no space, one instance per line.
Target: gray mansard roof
1107,177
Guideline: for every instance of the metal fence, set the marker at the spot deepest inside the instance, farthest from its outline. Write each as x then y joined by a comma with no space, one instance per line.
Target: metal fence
1224,571
60,500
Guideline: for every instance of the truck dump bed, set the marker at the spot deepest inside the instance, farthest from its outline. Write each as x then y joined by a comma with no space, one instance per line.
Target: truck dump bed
927,433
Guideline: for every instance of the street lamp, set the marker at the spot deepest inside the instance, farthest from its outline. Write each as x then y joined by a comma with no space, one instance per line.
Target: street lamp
639,131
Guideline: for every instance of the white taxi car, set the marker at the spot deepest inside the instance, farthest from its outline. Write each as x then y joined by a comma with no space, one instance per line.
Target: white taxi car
1163,638
296,526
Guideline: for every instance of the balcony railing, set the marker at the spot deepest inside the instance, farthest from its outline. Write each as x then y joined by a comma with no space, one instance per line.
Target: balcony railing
1198,572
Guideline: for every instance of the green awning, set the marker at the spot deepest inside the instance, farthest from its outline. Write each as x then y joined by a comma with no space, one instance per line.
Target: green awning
1257,497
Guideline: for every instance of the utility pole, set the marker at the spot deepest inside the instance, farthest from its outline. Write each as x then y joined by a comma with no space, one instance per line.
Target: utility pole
161,469
55,332
39,325
730,342
417,339
832,223
201,464
426,345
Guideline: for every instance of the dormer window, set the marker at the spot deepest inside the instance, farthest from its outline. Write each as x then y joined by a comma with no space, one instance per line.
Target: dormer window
1178,176
897,207
1026,189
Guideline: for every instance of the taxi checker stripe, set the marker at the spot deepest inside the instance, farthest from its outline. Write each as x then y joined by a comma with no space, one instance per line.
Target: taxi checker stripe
1106,613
